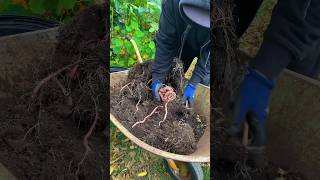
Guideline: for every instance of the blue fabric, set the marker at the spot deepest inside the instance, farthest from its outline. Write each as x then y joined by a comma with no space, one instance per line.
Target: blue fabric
253,98
155,86
188,94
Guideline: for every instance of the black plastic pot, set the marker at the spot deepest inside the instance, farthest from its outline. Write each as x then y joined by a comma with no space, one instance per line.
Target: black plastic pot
13,24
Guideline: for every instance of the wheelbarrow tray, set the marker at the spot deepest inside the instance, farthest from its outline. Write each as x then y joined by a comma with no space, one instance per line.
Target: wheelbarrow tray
202,107
293,126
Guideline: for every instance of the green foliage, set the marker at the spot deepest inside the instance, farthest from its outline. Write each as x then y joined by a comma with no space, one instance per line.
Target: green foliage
138,19
59,10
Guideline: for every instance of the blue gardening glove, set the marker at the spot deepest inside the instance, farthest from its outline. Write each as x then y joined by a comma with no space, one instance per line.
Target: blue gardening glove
188,95
252,105
156,86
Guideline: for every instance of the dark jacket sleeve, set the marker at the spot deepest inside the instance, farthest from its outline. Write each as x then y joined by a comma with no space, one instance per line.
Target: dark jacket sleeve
166,40
294,30
201,73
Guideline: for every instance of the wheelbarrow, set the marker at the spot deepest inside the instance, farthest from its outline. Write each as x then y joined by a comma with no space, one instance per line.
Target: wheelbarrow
175,162
178,166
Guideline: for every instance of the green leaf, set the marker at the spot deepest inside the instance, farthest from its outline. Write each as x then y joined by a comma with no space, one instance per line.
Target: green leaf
122,63
155,25
117,42
133,14
141,10
116,49
139,34
152,29
131,61
64,4
128,28
37,6
116,28
138,41
51,6
128,45
151,45
123,31
4,4
17,10
134,25
67,4
132,51
113,63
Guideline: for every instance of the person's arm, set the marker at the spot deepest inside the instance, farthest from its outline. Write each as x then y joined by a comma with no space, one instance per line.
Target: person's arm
293,30
166,40
201,73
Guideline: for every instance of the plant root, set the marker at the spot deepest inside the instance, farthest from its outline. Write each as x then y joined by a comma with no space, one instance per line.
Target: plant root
125,87
165,115
29,131
144,119
137,106
48,78
86,137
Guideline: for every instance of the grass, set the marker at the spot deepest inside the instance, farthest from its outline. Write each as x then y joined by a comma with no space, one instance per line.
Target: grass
127,160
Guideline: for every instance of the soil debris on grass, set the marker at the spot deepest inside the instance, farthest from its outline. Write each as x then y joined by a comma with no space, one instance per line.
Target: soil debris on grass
132,101
56,131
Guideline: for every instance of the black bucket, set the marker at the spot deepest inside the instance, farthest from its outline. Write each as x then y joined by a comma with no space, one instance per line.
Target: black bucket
13,24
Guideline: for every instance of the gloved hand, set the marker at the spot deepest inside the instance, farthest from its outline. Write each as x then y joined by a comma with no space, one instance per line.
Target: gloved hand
252,106
156,86
188,95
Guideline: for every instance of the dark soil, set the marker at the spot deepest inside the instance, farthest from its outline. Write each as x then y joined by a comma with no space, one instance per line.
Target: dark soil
181,130
41,137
